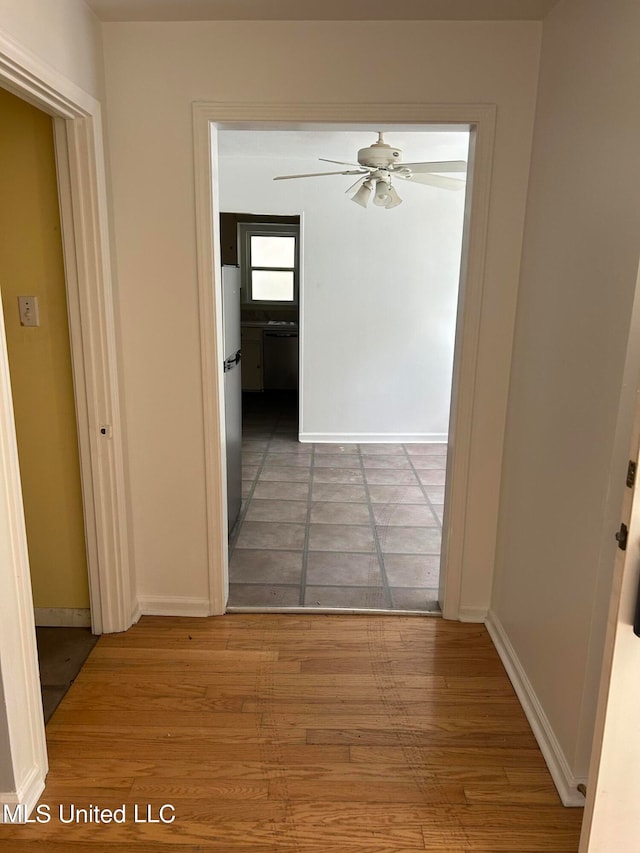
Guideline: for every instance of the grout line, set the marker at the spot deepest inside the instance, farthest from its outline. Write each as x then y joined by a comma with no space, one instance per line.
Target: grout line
357,461
237,527
307,532
376,539
423,488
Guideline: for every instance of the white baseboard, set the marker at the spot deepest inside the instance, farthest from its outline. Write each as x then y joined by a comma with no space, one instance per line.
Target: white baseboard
26,796
375,437
472,614
136,613
63,617
152,605
563,778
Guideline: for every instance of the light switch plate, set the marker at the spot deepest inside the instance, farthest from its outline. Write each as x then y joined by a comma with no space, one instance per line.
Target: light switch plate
29,313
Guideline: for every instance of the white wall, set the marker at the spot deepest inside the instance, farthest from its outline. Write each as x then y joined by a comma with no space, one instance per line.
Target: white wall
64,33
154,73
580,260
58,43
380,286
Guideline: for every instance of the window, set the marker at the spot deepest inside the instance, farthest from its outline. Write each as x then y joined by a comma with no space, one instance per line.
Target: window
269,263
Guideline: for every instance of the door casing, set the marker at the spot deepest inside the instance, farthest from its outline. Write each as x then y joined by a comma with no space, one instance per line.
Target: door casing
207,117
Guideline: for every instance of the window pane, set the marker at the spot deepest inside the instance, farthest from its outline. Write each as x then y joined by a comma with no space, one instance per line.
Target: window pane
273,251
272,286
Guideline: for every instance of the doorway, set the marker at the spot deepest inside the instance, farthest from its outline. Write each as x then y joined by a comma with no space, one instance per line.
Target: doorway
352,519
33,286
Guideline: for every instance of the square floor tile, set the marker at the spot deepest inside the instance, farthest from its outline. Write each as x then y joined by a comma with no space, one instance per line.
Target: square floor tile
429,463
336,449
252,458
410,540
412,570
396,494
335,512
432,477
435,449
382,450
291,460
260,595
280,567
337,475
325,568
340,537
275,510
390,477
290,444
425,600
332,460
393,462
285,474
435,493
365,598
337,492
281,491
404,515
254,446
271,535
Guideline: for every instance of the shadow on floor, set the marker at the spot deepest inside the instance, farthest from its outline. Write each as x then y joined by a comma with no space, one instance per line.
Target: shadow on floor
61,652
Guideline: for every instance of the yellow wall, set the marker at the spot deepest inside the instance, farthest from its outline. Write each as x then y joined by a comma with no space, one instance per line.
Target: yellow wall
39,358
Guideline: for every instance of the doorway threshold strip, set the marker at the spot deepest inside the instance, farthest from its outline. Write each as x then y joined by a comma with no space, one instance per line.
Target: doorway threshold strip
331,611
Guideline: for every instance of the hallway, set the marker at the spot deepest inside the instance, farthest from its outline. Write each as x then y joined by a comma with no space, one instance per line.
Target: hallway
281,732
334,525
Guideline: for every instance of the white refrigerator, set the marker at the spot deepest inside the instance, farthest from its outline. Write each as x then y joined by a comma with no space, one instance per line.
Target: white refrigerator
232,389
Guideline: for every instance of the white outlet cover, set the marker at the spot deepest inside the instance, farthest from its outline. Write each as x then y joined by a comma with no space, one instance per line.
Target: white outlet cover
29,312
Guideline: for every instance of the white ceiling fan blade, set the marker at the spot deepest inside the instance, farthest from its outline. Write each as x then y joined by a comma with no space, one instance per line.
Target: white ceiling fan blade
434,181
342,163
317,175
441,166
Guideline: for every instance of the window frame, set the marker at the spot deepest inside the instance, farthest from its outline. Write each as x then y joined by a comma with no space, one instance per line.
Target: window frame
247,230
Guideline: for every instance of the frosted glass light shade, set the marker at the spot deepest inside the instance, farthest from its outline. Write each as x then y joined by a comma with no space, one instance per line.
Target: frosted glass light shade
382,196
363,194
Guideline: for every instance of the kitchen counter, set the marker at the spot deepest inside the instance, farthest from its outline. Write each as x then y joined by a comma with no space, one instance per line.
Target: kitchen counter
289,325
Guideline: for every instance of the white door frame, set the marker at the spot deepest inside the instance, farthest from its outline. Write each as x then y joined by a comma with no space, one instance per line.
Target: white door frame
207,116
82,193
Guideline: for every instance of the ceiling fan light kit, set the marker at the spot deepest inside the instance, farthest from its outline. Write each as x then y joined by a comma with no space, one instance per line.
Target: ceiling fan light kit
378,163
363,195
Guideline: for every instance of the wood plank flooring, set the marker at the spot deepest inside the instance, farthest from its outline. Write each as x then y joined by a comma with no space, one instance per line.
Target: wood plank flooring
298,733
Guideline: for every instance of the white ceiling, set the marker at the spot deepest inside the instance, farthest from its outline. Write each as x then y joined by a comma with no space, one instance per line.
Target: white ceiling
339,145
327,10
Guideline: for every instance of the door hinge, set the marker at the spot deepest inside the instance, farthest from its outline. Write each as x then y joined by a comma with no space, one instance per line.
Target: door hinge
622,535
631,474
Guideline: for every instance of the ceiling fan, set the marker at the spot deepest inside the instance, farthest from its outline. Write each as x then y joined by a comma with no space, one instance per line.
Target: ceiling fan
379,163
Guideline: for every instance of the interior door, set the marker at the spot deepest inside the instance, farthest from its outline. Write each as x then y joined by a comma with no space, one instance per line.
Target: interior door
612,816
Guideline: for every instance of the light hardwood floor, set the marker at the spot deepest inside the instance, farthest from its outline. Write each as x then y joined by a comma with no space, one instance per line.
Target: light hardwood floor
293,733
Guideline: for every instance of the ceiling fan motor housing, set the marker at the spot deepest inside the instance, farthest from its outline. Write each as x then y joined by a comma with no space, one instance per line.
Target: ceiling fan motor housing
379,155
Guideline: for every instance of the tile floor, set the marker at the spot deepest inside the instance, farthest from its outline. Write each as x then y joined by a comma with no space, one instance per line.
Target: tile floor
354,526
61,654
